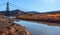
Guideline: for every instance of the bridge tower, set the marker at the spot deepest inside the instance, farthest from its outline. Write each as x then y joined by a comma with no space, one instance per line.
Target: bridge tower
7,9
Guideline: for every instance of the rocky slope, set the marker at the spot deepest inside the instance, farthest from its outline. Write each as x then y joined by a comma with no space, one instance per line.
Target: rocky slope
8,27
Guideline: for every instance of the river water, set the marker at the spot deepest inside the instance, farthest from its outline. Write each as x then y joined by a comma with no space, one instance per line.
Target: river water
36,28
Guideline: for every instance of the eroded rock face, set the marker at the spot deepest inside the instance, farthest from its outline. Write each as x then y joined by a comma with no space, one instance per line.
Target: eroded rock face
8,27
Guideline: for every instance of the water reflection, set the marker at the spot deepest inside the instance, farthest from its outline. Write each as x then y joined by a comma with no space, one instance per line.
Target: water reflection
39,28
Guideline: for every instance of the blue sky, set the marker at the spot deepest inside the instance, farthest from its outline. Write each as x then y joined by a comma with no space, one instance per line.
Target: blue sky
32,5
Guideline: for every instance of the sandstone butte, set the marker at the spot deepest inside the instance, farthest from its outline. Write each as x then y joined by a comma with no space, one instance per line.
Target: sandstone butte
8,27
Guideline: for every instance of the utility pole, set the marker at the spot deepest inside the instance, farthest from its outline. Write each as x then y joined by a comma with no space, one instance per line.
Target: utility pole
7,9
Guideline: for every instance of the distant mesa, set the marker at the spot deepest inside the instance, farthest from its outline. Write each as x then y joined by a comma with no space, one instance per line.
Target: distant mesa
18,12
53,12
12,13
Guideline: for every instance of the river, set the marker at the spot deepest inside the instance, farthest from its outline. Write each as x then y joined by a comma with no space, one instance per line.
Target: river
36,28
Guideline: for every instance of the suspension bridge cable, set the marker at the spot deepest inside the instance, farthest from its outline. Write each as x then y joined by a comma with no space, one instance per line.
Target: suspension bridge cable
13,5
18,6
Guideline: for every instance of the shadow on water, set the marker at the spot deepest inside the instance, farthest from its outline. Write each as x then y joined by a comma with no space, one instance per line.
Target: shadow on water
40,28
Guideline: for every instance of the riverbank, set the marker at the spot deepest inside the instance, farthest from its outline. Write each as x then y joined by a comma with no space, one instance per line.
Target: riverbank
41,22
8,27
52,18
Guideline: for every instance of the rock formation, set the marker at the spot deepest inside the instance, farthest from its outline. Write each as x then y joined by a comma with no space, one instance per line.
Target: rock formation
8,27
